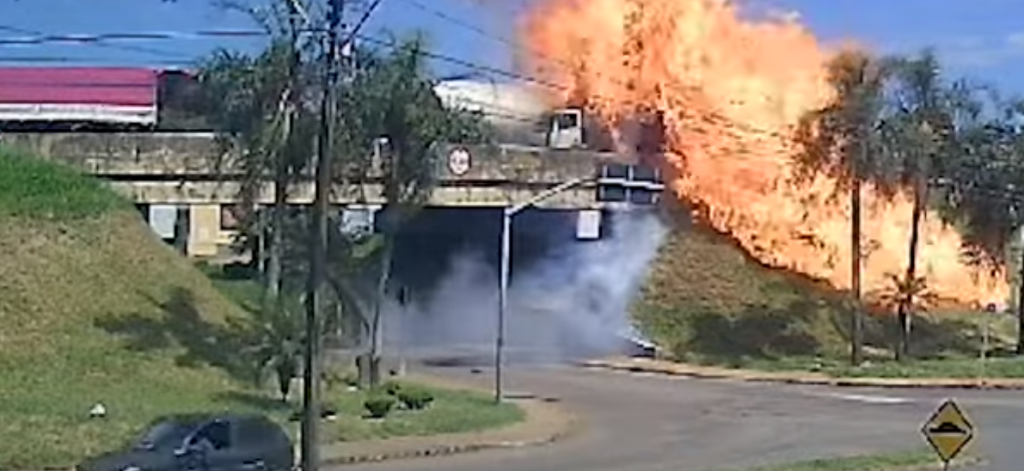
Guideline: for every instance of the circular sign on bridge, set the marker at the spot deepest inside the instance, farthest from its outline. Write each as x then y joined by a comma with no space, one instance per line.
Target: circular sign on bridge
459,161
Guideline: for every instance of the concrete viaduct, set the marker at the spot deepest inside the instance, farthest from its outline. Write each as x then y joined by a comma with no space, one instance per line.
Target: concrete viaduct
195,174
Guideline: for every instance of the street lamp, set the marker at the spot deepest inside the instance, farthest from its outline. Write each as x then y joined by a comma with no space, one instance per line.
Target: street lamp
632,184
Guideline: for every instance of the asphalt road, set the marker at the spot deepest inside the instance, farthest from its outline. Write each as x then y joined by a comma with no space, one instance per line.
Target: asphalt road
658,423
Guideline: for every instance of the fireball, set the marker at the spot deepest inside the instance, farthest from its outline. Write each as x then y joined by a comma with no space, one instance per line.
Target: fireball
732,89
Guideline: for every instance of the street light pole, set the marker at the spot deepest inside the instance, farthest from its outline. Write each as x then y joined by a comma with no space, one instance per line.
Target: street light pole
629,181
499,341
507,214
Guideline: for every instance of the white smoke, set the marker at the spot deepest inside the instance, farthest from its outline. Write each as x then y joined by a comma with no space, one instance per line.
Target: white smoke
572,303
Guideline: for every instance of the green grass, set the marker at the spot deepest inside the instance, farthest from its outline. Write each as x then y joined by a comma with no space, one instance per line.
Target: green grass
962,367
706,301
94,308
902,461
453,411
38,189
99,310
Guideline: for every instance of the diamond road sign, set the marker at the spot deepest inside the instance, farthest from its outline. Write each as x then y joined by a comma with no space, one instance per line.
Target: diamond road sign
948,431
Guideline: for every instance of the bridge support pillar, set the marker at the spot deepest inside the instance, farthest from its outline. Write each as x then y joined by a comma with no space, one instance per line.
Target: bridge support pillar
204,232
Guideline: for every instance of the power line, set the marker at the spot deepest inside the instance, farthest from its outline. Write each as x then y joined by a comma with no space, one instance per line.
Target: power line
712,117
709,116
133,36
124,47
54,59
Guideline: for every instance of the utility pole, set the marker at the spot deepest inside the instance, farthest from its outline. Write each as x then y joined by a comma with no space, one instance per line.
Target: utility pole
318,253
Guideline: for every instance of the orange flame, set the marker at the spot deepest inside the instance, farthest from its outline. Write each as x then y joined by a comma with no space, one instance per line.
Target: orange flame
732,90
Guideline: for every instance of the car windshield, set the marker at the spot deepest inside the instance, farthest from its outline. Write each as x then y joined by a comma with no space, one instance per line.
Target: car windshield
163,434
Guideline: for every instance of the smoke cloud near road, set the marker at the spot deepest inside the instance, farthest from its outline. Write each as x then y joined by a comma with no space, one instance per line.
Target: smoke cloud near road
569,301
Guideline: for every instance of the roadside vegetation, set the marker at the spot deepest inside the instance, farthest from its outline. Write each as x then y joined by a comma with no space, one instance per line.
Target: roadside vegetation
393,408
34,189
96,309
706,302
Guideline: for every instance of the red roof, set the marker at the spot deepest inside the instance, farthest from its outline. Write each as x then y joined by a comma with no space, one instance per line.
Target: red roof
115,86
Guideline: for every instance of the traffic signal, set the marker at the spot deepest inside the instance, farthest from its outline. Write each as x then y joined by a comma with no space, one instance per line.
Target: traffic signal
633,184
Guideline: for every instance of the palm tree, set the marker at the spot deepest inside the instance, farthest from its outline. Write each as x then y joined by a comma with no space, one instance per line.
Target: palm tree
903,291
392,97
923,130
277,344
260,112
844,140
981,192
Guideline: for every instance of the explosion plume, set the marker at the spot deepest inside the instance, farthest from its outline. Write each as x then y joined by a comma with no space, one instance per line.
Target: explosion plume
732,89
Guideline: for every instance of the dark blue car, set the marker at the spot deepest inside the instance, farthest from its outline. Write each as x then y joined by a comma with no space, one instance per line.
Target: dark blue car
203,442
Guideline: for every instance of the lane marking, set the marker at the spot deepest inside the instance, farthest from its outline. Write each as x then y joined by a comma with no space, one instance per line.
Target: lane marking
871,399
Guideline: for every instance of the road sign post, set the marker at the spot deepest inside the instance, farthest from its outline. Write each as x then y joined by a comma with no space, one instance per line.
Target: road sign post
948,431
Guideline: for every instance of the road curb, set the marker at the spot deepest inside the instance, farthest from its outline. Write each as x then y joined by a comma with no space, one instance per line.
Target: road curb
444,450
554,423
693,371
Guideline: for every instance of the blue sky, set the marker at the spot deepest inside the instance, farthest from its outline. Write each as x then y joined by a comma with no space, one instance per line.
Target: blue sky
979,38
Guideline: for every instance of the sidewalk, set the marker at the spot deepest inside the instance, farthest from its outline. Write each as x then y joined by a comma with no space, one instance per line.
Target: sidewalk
646,365
543,423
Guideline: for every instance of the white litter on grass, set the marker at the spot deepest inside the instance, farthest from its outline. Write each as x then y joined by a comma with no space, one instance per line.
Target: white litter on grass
98,411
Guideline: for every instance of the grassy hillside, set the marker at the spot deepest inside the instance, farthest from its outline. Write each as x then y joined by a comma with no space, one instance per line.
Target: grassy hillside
707,301
94,308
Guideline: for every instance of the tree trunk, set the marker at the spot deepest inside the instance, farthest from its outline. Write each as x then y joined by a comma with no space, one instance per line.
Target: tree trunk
275,243
906,305
905,311
376,325
281,168
261,242
856,320
284,374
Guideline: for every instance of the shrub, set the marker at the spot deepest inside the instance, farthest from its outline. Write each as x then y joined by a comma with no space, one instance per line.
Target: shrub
340,377
350,379
379,405
415,398
392,388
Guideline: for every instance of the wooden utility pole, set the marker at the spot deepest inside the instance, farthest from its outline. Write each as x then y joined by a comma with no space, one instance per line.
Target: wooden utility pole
318,246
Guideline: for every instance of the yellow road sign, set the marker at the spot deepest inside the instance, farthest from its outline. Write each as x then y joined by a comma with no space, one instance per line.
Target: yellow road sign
948,431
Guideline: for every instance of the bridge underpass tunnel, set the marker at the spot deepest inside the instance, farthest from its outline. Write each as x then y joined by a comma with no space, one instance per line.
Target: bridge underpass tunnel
568,298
